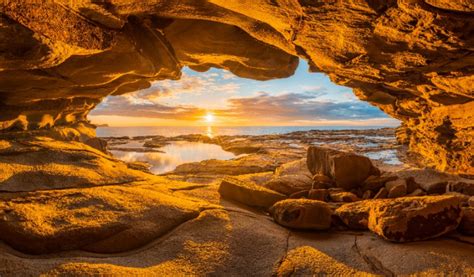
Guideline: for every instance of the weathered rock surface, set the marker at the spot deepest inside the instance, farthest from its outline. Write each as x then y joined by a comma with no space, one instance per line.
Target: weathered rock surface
348,170
248,193
415,218
103,220
302,214
355,215
40,163
291,177
467,221
413,59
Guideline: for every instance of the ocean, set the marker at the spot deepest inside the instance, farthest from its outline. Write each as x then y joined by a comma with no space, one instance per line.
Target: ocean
216,131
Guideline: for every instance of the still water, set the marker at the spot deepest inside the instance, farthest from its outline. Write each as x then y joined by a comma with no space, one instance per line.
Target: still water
176,153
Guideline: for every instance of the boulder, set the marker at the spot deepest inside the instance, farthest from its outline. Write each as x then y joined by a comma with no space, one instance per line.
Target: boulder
302,214
467,222
342,196
374,182
461,187
299,194
348,170
382,193
248,193
367,194
397,188
415,218
289,184
355,215
417,192
412,185
318,194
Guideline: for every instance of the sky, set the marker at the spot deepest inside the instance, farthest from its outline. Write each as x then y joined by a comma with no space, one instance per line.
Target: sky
219,98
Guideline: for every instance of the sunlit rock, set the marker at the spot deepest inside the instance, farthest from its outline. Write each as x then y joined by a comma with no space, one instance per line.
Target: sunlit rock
415,218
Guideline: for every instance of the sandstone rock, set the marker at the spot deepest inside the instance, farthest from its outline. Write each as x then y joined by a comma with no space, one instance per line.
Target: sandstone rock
323,179
417,192
248,193
461,187
297,167
289,184
467,222
367,194
348,170
437,188
374,182
302,214
397,188
382,193
342,196
97,50
318,194
415,218
108,219
299,194
471,201
39,163
412,185
355,215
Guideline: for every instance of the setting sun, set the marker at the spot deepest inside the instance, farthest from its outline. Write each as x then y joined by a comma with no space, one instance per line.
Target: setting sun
209,117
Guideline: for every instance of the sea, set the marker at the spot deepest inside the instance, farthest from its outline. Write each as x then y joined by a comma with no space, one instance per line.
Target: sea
216,131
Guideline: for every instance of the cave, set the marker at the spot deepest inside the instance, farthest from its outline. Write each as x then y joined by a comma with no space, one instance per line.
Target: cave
67,200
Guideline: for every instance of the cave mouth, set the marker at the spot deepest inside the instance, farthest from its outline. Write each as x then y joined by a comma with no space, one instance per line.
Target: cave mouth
217,103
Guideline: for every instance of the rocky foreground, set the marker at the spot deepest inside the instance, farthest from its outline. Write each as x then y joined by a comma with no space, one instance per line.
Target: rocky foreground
284,207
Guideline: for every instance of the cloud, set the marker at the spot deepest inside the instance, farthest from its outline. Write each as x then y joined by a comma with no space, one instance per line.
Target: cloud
264,107
299,106
123,106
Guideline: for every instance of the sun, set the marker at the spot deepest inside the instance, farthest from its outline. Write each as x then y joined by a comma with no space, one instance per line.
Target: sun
209,117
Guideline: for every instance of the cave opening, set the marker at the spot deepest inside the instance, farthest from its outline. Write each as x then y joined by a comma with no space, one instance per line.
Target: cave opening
218,103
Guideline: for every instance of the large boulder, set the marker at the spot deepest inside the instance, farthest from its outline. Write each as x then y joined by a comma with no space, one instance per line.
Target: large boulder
302,214
248,193
355,215
467,223
415,218
348,170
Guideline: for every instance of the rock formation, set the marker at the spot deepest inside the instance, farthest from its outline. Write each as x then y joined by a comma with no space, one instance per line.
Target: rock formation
412,58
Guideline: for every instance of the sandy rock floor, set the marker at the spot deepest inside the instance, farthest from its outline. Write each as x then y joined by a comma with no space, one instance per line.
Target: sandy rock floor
201,234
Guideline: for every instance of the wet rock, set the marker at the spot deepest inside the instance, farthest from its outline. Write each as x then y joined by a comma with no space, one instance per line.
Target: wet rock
318,194
248,193
467,222
348,170
355,215
302,214
382,193
342,196
415,218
